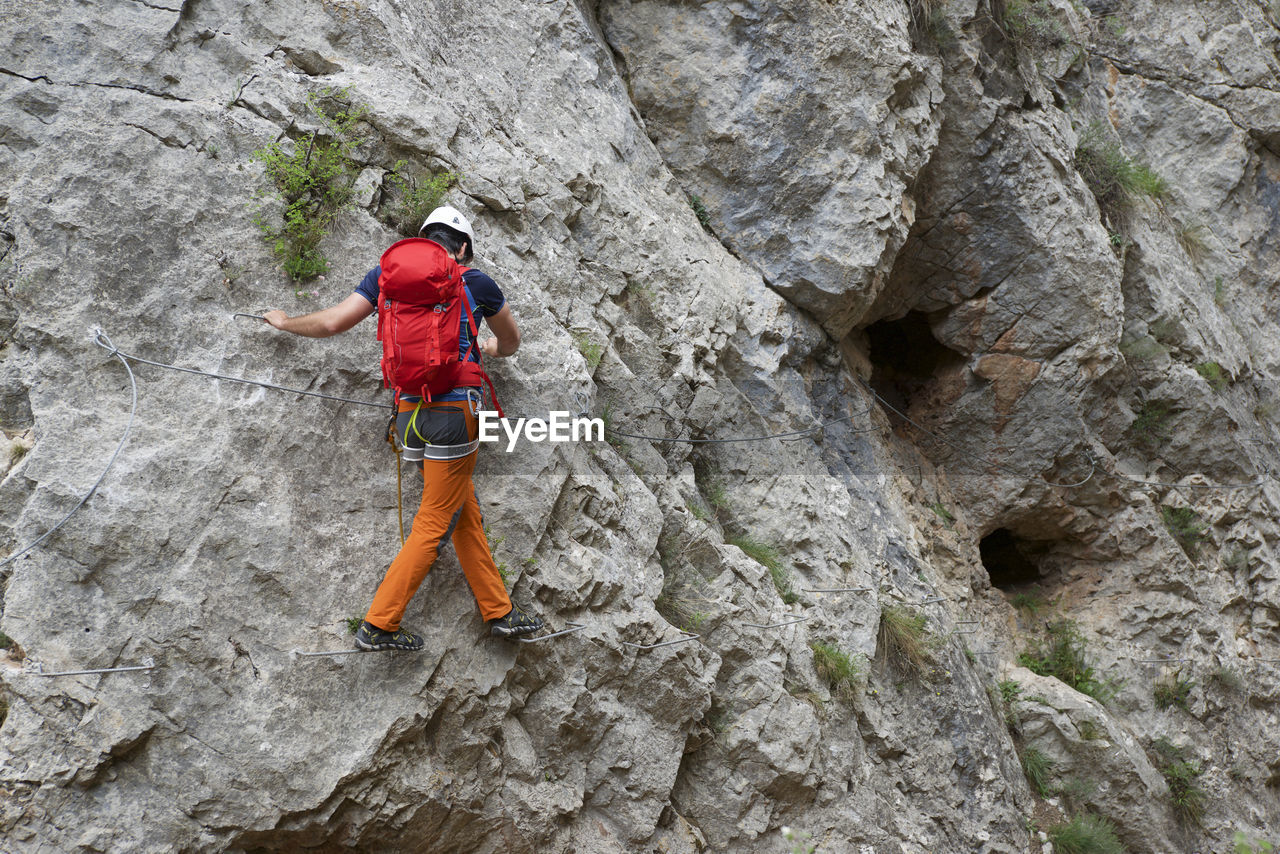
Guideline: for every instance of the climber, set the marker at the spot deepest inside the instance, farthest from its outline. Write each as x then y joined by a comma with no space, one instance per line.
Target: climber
438,434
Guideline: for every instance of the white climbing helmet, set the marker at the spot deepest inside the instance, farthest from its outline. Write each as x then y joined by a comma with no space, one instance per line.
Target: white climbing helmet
453,218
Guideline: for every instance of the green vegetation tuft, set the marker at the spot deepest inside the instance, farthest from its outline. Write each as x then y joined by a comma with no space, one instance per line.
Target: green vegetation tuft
313,177
1113,178
1032,602
1242,845
1009,690
767,556
1214,376
353,624
6,642
680,603
838,669
1185,526
591,351
1061,654
717,497
1077,790
1226,679
1192,237
940,510
1142,349
1088,729
416,198
1039,770
700,211
1086,834
1153,426
1031,24
1172,690
1182,775
904,639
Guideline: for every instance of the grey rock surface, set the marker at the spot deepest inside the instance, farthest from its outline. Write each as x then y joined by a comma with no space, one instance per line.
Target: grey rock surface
893,203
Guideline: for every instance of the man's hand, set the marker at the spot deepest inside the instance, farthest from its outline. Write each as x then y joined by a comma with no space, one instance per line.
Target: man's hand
489,347
323,323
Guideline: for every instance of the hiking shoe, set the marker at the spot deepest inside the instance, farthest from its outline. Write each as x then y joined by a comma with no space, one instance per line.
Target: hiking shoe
370,637
516,623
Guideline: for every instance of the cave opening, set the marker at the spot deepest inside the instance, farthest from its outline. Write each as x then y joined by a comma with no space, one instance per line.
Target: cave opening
905,356
1012,562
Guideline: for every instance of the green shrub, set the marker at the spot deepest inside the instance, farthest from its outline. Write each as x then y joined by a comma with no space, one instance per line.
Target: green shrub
1182,775
1236,560
1112,177
717,497
1077,790
1009,690
837,668
1142,349
1191,236
1172,690
6,642
353,624
1086,834
1242,845
1032,602
1213,375
1061,654
1031,24
700,211
940,510
1038,767
904,639
768,557
416,198
1226,679
1008,693
313,180
1088,729
1185,526
680,603
1153,426
591,351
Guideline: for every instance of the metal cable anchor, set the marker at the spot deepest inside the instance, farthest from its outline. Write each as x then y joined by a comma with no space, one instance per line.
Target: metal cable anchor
688,637
573,627
777,625
35,668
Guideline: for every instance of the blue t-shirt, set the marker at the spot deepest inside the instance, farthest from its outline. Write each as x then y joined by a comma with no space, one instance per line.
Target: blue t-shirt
484,299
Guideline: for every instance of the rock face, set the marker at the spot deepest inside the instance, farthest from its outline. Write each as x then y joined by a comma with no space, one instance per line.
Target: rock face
896,217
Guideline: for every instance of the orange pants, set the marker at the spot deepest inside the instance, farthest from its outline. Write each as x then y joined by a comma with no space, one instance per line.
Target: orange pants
449,507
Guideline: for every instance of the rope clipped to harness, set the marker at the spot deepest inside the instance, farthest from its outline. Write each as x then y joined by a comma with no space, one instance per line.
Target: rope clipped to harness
395,447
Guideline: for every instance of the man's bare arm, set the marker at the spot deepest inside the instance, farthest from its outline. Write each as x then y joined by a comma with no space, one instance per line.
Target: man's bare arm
507,340
327,321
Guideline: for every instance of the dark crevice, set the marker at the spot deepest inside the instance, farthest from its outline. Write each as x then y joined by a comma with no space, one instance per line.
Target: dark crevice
1015,563
905,357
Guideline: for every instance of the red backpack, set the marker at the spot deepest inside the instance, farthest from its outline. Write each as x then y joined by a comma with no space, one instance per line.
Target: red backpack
420,322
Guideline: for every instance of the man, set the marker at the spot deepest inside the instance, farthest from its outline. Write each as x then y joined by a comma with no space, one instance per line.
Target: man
440,436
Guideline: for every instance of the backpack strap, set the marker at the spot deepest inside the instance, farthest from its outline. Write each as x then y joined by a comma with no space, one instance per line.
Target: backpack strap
475,345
